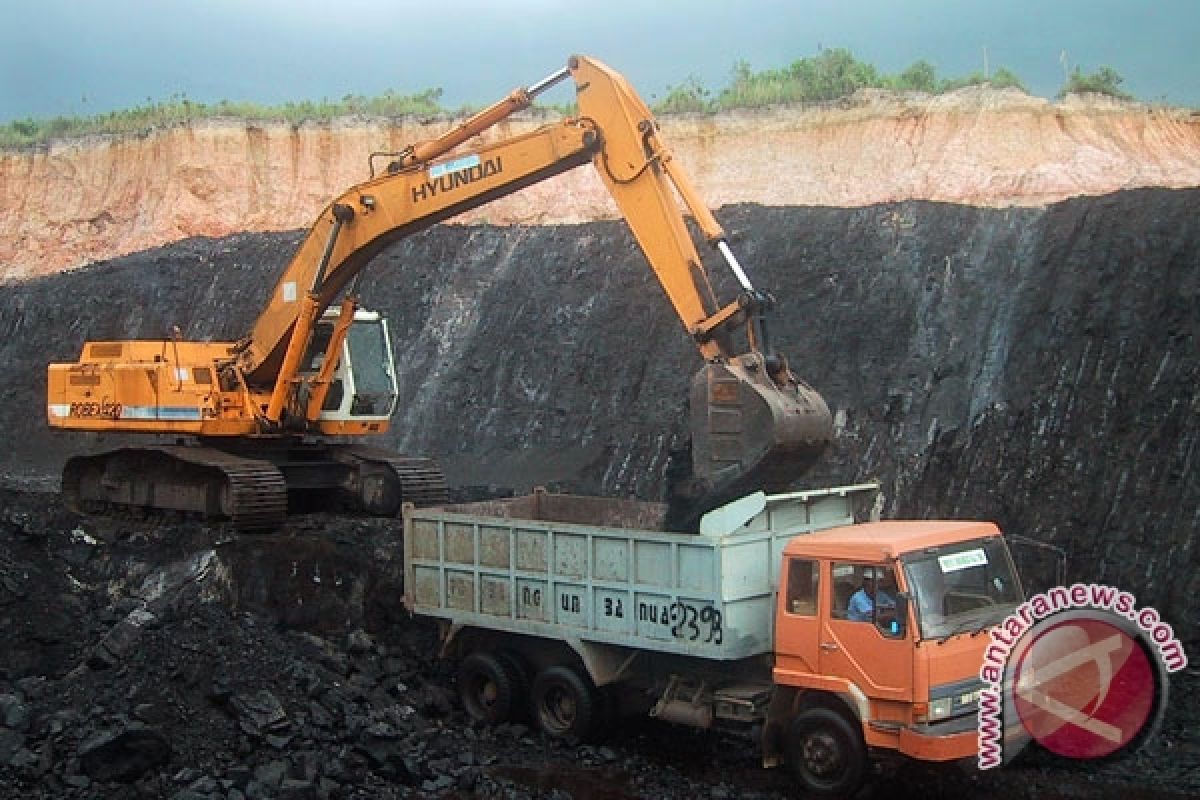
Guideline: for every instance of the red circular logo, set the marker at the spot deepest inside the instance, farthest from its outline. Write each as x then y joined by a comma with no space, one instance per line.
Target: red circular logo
1084,688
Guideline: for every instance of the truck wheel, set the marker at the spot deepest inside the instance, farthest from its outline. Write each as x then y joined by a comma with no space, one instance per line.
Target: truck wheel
826,752
518,676
487,688
564,703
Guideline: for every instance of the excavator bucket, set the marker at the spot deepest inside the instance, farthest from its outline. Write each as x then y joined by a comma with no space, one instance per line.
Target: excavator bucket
751,430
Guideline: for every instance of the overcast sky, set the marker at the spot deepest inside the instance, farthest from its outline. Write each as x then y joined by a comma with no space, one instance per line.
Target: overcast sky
87,57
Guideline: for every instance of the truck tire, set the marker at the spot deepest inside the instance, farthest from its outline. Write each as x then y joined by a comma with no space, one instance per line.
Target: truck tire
564,703
518,674
826,752
487,688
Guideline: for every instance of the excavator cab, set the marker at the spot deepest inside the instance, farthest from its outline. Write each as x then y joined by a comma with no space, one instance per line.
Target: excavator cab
363,386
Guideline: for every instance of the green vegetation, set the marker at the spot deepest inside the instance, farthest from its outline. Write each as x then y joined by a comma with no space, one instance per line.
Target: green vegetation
831,75
834,74
1103,81
179,109
828,76
688,97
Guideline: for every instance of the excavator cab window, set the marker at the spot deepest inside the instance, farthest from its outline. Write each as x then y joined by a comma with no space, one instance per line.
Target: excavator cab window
317,346
370,358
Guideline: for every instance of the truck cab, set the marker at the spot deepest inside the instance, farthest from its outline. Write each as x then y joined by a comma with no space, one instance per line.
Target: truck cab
880,635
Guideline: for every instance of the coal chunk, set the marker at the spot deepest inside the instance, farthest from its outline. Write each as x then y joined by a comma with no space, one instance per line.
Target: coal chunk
125,755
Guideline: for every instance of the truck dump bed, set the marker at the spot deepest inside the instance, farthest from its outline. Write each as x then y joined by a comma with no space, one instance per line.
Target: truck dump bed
592,569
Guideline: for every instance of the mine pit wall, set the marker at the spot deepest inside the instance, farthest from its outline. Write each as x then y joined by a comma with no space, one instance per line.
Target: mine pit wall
73,201
1036,366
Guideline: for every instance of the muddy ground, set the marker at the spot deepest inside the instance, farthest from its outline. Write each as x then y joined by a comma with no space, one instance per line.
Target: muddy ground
1037,367
164,658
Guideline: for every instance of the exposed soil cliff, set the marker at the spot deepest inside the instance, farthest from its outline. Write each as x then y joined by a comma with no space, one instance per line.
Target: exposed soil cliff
84,200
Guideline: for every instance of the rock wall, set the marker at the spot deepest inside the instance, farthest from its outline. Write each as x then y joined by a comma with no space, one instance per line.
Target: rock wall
1036,366
82,200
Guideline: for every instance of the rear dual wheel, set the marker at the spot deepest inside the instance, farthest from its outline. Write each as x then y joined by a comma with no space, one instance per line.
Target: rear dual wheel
492,686
565,703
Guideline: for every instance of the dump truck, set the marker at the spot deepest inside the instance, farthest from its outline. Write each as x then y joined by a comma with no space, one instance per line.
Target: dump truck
574,610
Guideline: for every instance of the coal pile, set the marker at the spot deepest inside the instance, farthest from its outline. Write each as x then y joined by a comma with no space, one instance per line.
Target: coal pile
1032,366
166,658
163,658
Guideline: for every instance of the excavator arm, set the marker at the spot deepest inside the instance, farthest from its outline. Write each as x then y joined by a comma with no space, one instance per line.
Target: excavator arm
753,424
364,220
614,130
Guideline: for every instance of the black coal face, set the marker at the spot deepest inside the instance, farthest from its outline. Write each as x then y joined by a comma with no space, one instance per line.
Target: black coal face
1032,366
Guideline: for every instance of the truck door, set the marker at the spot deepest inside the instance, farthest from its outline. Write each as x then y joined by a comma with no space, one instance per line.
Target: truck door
860,638
798,621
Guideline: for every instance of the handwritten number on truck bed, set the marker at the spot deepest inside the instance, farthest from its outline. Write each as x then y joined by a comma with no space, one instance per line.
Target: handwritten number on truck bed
712,618
687,621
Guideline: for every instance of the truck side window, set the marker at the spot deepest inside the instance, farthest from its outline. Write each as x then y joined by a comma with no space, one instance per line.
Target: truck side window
846,579
887,618
803,577
867,594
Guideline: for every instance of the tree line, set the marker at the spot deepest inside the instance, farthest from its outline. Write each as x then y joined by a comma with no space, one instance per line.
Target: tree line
830,75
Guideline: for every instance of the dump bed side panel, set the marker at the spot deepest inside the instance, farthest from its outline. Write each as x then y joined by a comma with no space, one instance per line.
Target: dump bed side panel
709,596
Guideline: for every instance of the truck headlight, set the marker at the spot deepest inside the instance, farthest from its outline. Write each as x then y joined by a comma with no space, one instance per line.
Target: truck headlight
941,708
954,700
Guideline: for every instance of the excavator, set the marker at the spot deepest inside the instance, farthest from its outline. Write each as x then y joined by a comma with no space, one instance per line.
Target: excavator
243,425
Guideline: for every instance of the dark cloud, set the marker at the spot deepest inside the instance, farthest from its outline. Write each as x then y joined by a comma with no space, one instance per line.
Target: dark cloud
62,57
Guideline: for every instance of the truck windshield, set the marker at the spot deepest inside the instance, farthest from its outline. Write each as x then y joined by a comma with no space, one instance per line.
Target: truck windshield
963,587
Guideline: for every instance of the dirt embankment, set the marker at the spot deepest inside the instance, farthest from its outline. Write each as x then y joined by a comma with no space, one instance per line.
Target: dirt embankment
91,199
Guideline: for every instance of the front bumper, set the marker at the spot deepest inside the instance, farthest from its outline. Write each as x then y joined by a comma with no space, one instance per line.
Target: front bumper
945,741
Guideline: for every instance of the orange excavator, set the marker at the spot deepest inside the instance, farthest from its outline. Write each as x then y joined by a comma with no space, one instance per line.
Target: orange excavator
283,410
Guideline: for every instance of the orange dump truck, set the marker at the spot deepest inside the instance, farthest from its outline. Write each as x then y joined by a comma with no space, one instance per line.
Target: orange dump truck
825,639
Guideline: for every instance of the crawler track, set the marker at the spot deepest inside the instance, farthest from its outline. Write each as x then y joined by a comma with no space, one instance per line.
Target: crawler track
421,480
250,493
